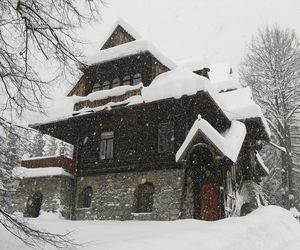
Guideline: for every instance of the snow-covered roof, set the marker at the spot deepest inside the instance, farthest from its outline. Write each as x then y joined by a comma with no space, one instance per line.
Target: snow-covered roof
262,164
239,105
26,157
128,49
104,94
174,83
228,143
21,172
236,105
128,28
194,64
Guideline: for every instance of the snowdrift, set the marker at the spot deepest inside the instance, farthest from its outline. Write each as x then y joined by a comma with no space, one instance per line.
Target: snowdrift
266,228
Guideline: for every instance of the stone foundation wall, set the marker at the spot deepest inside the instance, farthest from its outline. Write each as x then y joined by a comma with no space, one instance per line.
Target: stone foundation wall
56,190
114,195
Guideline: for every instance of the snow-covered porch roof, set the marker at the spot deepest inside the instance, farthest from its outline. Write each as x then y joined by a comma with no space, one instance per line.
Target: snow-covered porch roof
228,143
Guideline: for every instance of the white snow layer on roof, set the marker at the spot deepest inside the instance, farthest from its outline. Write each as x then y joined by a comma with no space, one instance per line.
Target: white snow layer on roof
176,83
236,105
194,64
228,143
103,94
21,172
261,162
239,105
27,157
221,78
130,30
128,49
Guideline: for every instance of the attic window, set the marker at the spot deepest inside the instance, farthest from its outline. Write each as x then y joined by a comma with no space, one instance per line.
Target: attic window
126,80
116,82
137,78
96,87
106,85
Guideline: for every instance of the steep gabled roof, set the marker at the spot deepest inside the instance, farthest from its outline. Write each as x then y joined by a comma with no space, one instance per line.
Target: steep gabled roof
228,143
120,33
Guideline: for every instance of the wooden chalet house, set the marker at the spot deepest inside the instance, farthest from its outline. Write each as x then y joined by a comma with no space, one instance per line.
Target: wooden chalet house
153,139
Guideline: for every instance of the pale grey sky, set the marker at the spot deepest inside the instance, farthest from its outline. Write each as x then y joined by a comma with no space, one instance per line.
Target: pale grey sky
218,29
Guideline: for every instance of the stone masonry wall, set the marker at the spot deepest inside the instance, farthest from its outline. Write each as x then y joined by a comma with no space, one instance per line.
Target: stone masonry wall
56,190
114,195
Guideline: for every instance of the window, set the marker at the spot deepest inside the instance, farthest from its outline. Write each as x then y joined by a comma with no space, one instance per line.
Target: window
137,78
85,198
166,137
145,194
33,205
96,87
106,85
106,145
116,82
126,80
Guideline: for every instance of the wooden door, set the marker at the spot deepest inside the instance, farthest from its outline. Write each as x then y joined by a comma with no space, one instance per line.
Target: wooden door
209,202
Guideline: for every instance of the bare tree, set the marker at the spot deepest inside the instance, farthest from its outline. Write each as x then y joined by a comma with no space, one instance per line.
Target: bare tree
272,69
34,237
35,33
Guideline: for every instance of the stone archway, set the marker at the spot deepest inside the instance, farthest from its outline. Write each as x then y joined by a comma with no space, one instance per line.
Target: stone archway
33,205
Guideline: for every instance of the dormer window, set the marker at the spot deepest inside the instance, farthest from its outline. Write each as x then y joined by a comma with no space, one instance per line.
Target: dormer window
116,82
126,80
137,78
96,87
106,85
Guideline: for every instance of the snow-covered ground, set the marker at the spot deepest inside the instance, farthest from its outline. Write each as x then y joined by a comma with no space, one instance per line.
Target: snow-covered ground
266,228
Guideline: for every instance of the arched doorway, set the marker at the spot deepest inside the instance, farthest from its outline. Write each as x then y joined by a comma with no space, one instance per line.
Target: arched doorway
206,183
145,194
34,204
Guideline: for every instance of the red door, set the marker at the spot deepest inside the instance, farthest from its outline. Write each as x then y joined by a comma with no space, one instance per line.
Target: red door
209,200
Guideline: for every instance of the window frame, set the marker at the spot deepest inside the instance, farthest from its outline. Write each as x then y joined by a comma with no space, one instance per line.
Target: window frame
96,87
116,82
106,85
126,79
106,146
137,78
166,136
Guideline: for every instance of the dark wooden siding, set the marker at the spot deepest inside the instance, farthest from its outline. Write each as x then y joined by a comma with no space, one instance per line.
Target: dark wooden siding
136,133
143,63
119,36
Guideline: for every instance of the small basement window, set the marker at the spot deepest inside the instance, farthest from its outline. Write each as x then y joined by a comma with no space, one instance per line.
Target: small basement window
137,78
85,198
96,87
166,137
106,145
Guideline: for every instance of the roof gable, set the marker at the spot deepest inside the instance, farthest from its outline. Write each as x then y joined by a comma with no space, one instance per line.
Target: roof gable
120,33
229,143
